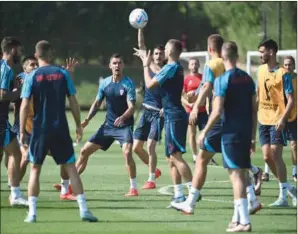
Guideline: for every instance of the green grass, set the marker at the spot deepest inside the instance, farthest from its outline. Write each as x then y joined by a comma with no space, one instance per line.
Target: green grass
106,181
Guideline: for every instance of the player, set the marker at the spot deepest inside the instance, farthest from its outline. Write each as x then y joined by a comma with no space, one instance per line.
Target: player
170,78
49,85
151,122
275,98
11,48
212,143
291,126
120,94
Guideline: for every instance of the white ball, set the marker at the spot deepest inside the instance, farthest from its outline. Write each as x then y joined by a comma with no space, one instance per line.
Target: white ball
138,18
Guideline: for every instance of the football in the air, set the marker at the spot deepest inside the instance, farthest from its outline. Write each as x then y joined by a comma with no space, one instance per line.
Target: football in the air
138,18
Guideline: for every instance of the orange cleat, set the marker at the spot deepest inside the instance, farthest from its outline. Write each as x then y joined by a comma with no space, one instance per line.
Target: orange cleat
149,185
58,188
68,197
157,173
132,193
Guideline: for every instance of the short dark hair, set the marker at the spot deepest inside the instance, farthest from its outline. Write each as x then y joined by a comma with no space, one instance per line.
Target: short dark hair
291,58
43,49
215,41
194,58
29,57
231,48
269,44
116,55
8,43
177,45
159,47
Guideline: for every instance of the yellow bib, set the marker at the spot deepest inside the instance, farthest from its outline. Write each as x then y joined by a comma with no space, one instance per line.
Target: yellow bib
29,123
271,95
293,114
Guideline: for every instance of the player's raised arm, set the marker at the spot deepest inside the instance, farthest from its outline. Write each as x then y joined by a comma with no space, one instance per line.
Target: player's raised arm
141,39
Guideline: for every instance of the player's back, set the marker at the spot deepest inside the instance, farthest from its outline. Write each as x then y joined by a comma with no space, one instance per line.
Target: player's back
50,87
240,88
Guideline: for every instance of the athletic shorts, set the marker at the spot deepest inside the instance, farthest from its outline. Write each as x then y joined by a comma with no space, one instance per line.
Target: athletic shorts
269,135
236,150
291,130
6,136
150,126
106,135
212,141
175,136
59,144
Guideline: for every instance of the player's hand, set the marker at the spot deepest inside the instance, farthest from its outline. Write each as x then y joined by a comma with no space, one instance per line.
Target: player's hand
191,94
144,56
280,125
252,147
193,117
161,113
23,142
79,134
201,138
119,122
84,123
71,64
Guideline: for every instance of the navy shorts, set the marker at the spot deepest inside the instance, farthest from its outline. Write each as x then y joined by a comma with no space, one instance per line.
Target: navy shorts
6,136
150,126
212,141
291,130
202,120
59,144
106,135
175,136
236,151
269,135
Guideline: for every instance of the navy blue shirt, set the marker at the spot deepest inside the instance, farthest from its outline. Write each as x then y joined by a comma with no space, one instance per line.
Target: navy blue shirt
171,79
238,88
6,83
152,97
117,94
49,86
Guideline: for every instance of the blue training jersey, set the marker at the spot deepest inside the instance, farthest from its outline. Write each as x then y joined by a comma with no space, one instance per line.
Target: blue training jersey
171,79
117,94
152,97
238,88
6,83
49,86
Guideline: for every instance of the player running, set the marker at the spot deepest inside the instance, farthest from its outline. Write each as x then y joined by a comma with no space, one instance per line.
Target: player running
291,126
275,98
49,85
120,94
170,78
11,49
151,122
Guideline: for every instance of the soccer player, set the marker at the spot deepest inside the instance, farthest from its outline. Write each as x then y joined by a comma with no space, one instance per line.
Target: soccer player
120,94
291,126
151,122
11,49
170,78
49,85
275,102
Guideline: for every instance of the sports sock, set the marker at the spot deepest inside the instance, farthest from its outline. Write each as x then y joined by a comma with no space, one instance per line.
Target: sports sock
294,170
81,199
243,211
254,169
250,193
236,216
178,190
32,205
193,196
151,177
266,169
188,185
64,186
133,183
283,188
15,192
194,157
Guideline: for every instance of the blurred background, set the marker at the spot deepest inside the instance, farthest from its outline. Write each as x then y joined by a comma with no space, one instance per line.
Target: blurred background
92,31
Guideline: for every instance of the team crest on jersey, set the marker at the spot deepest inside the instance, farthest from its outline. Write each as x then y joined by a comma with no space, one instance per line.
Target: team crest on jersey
121,92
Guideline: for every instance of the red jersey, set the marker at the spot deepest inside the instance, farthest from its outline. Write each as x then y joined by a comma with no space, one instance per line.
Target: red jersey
191,83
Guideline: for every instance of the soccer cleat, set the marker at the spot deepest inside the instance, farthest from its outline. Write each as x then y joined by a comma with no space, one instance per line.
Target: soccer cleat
258,182
295,178
149,185
183,206
279,203
18,201
88,217
254,207
67,197
293,194
132,193
265,177
177,200
30,219
157,173
240,228
58,188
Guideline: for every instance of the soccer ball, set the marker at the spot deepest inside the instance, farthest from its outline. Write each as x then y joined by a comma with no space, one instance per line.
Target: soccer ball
138,18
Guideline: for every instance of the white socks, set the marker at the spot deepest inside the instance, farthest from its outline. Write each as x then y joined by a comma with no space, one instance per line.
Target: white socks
82,203
254,169
178,190
193,196
283,188
188,185
294,170
266,170
236,216
15,192
251,197
133,183
242,205
151,177
194,157
32,205
64,186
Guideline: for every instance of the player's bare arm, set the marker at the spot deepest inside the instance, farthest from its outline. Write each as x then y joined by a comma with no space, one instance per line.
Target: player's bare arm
282,122
254,123
24,110
76,113
141,39
127,114
92,112
184,100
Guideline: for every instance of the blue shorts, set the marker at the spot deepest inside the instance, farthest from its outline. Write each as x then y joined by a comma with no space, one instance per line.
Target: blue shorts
59,144
6,136
269,135
236,150
175,136
212,141
150,126
291,130
105,136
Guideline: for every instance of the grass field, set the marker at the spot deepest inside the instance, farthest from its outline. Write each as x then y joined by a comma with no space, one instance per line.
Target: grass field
106,182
